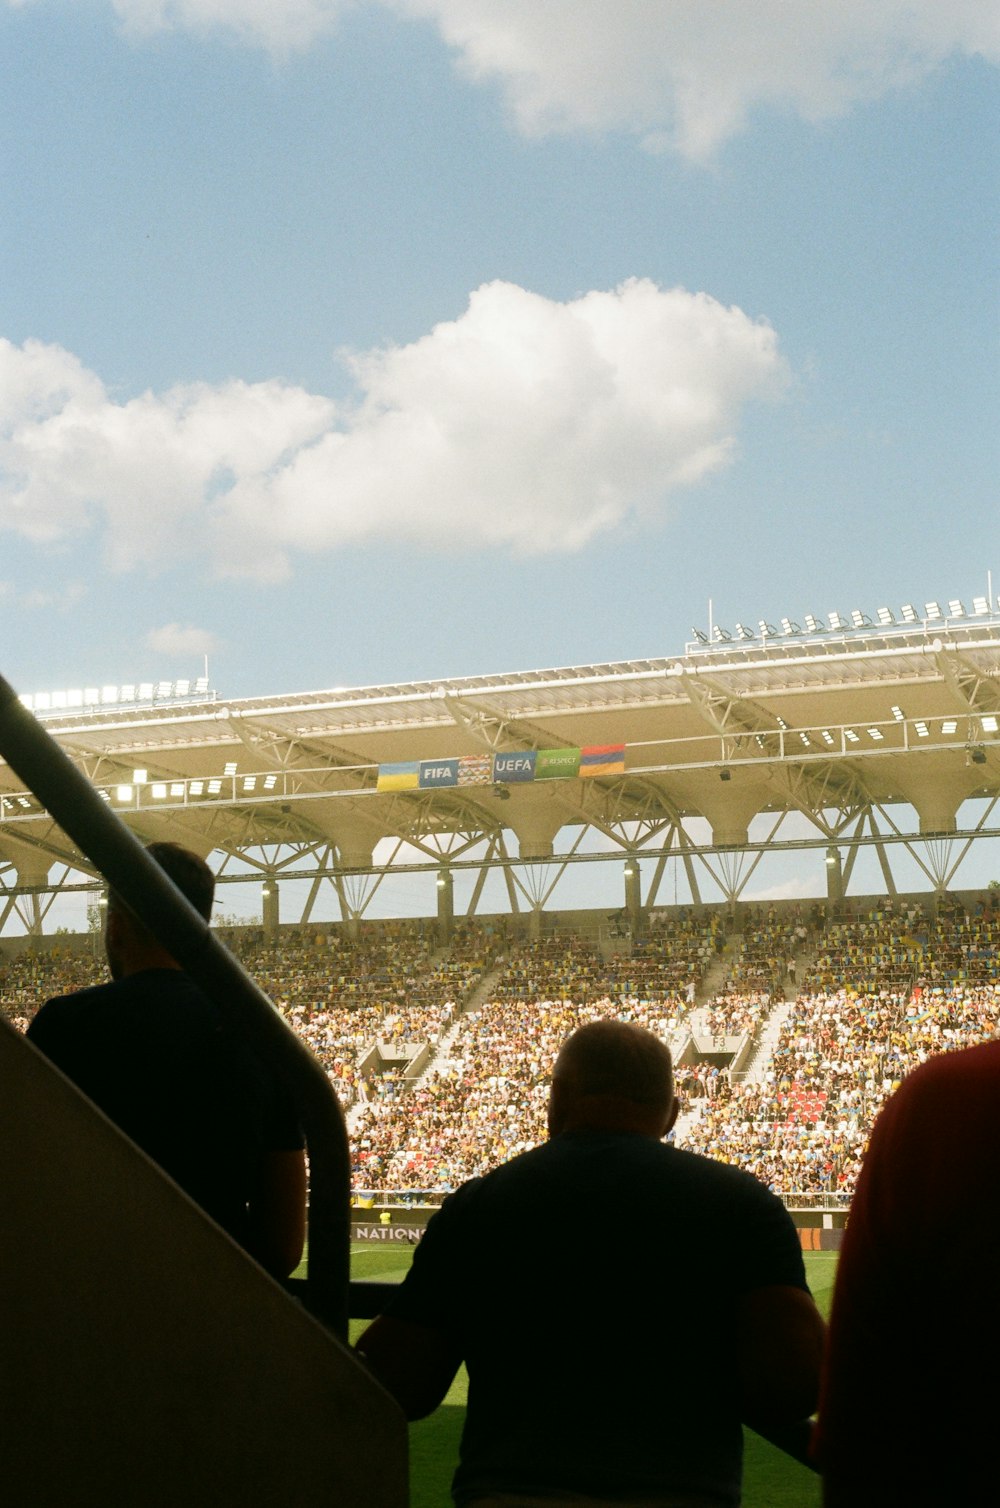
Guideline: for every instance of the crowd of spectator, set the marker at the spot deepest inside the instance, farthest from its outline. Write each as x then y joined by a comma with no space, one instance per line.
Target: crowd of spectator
877,992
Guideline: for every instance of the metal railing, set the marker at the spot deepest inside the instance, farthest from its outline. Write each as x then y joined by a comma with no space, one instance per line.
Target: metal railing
73,803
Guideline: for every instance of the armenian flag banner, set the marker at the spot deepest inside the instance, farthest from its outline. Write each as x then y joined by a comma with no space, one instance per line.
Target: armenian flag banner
602,759
399,777
557,764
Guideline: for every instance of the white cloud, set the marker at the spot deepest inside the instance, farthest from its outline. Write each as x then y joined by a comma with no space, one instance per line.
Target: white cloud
680,74
524,424
685,74
177,641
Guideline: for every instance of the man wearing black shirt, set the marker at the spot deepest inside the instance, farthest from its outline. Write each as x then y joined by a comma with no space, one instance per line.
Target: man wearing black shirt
155,1055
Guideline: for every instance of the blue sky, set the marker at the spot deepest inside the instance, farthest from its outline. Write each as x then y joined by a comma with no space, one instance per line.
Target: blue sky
356,343
351,343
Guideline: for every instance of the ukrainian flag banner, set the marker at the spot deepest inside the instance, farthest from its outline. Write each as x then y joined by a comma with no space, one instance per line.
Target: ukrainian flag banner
398,777
557,764
602,759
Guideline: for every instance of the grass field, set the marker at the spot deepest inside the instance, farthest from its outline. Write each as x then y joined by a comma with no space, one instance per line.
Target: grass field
770,1478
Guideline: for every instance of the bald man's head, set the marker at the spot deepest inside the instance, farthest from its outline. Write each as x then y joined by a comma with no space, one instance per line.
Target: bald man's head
611,1076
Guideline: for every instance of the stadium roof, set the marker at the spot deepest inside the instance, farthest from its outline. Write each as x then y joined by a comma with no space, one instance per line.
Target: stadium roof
849,728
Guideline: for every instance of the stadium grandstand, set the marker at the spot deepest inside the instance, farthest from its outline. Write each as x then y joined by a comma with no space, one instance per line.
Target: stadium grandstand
790,1021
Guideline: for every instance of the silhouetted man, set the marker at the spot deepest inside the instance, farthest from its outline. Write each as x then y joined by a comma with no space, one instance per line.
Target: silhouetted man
621,1305
910,1394
154,1054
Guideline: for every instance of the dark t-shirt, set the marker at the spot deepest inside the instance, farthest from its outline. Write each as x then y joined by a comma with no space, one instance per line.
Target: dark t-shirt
592,1287
153,1053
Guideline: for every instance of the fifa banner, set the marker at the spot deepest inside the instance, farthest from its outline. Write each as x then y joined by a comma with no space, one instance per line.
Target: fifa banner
512,768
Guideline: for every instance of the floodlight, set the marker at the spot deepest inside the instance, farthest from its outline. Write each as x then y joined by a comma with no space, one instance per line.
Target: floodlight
182,688
91,696
124,793
159,792
989,724
196,787
835,620
932,610
980,605
832,856
851,736
201,685
164,688
860,619
109,695
742,632
27,700
126,693
813,625
897,713
270,781
788,627
955,609
177,788
782,724
722,634
229,768
139,777
24,803
104,795
58,700
949,725
145,691
42,701
827,736
909,613
921,727
765,629
631,867
885,618
702,639
249,782
214,787
805,738
876,734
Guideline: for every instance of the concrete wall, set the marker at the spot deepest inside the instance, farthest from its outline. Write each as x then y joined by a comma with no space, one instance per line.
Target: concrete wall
146,1361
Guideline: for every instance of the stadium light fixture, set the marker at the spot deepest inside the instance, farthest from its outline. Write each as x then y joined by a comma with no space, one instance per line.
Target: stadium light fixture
908,613
201,685
723,636
860,619
885,618
229,768
270,781
827,736
249,782
214,787
782,724
742,632
956,608
898,713
766,630
701,637
145,691
124,793
832,857
836,621
159,791
932,611
182,688
127,693
851,736
806,739
140,777
177,788
813,625
164,688
109,696
196,788
789,627
980,606
876,735
922,729
949,725
988,723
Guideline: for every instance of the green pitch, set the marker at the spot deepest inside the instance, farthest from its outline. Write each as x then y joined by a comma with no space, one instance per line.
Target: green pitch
770,1478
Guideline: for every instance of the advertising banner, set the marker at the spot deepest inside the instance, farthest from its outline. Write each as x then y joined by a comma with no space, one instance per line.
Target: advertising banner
557,764
510,768
435,773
